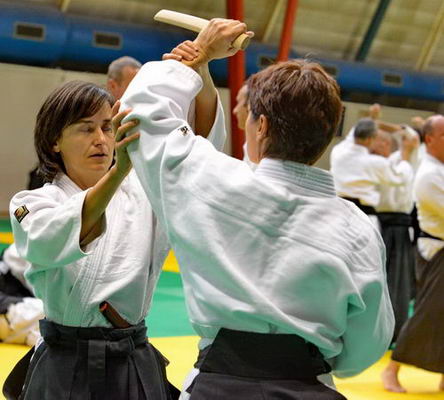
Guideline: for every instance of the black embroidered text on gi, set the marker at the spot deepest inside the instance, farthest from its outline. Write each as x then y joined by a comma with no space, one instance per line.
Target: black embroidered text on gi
184,129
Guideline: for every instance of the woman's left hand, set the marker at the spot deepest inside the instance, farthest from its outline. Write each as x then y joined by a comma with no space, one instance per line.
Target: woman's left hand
123,163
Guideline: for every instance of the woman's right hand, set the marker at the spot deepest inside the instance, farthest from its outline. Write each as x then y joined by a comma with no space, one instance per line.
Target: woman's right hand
185,51
123,163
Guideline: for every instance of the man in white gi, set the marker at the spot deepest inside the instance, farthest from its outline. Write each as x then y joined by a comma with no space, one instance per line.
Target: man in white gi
394,209
283,280
420,341
374,113
359,174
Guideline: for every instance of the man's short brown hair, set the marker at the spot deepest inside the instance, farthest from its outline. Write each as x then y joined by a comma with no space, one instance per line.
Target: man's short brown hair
64,106
303,107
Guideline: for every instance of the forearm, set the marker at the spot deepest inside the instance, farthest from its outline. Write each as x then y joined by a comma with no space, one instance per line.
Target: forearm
388,127
206,103
96,201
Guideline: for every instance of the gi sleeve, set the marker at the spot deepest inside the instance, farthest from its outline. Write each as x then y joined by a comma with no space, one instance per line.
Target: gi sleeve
160,96
47,228
370,320
392,174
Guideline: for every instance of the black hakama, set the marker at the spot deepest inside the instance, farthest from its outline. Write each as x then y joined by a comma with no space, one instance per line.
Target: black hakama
246,365
400,263
421,340
95,364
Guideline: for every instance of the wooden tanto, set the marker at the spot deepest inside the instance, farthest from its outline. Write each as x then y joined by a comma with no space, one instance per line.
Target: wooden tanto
195,24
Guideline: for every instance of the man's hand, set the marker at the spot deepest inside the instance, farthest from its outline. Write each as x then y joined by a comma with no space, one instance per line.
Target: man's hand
418,122
374,111
408,145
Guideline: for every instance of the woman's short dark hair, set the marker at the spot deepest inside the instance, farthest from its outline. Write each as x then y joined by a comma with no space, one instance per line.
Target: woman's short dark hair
64,106
303,107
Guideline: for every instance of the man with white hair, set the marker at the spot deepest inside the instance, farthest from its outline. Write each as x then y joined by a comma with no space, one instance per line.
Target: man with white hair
120,73
421,339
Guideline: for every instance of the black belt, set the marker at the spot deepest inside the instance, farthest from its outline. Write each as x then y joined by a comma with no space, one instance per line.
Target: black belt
262,356
369,210
395,219
99,343
423,234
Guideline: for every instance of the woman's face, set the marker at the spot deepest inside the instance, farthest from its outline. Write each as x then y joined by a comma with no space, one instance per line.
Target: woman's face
87,148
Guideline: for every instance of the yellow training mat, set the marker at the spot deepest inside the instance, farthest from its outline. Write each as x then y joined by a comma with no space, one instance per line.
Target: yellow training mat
420,384
171,264
6,237
9,355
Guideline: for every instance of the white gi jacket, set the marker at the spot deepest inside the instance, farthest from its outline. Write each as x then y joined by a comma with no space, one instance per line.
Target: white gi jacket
359,174
429,194
122,266
342,146
272,251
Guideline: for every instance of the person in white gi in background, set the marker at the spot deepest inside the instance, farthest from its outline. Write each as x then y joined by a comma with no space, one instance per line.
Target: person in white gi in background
374,113
359,174
82,234
20,312
393,211
283,279
420,342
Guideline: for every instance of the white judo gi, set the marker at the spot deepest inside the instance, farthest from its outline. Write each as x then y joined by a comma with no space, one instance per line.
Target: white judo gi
20,323
121,266
359,174
429,192
272,251
79,357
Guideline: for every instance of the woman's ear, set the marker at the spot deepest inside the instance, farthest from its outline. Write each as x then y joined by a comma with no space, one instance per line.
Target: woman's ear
262,136
56,147
262,131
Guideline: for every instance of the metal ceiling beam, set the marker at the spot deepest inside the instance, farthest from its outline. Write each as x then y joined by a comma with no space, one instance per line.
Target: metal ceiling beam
431,42
287,30
64,5
372,30
272,22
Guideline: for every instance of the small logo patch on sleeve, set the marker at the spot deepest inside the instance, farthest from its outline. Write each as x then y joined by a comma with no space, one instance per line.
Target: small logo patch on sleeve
21,213
184,129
